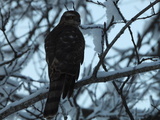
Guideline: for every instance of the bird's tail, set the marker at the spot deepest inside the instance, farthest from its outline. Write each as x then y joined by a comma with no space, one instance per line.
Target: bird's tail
55,91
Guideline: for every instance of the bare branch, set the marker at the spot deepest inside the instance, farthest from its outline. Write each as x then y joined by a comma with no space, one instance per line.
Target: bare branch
9,61
97,3
119,34
123,100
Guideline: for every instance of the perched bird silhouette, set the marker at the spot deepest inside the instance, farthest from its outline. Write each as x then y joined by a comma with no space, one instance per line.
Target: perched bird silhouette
64,48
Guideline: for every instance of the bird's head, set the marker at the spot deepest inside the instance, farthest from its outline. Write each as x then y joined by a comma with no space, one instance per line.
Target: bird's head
70,18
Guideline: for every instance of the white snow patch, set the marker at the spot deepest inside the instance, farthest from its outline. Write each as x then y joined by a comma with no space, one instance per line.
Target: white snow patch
95,31
112,11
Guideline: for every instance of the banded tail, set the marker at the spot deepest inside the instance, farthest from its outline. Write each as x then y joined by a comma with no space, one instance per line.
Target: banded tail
60,84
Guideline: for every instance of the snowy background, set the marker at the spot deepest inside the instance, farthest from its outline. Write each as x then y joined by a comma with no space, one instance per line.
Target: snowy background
23,69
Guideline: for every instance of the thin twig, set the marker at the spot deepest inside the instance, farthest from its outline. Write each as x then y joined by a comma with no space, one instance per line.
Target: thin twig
130,31
23,103
15,53
97,3
121,88
120,92
9,61
4,22
119,34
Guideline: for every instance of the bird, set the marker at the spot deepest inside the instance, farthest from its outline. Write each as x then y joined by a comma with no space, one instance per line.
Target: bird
64,47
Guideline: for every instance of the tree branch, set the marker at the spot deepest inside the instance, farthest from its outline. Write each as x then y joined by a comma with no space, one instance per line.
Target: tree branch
120,92
119,34
108,76
18,56
23,103
102,77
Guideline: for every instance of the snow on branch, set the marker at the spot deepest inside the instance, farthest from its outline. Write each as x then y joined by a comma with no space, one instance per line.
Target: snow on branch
23,103
101,77
108,76
120,33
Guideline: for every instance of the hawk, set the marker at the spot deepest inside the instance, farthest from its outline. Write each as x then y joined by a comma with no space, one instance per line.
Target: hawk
64,48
